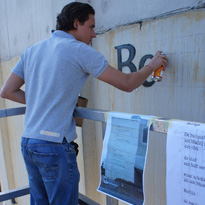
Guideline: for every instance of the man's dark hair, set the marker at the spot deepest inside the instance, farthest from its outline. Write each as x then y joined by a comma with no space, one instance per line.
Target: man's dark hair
71,12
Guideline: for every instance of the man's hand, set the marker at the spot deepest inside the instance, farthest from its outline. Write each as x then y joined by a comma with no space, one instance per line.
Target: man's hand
158,60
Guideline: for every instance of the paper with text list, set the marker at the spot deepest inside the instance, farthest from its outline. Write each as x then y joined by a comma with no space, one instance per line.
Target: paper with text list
185,176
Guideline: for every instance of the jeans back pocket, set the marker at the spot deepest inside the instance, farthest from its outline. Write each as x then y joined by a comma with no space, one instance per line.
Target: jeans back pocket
47,164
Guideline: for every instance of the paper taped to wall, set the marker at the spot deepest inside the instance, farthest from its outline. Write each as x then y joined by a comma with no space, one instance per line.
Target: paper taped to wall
123,157
185,178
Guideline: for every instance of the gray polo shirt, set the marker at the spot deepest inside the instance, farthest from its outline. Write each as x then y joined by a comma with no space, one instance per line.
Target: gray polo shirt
54,71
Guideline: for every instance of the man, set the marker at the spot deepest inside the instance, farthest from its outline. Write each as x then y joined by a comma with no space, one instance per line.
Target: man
54,71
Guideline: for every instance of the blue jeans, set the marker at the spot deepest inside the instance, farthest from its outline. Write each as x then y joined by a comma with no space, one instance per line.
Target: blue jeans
52,171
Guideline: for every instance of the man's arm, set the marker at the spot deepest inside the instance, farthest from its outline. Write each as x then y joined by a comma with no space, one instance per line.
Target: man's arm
11,89
131,81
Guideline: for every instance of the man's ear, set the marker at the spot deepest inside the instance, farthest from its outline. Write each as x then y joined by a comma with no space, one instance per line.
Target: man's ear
76,23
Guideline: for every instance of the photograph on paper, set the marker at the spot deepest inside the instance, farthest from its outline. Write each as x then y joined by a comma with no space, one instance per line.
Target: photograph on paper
123,157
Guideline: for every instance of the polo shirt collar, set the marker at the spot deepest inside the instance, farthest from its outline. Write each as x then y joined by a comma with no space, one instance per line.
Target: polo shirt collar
59,33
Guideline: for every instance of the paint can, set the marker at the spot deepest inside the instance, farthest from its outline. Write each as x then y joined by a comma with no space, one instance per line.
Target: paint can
157,74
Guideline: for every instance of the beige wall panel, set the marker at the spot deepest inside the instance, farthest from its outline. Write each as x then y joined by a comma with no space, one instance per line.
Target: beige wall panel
17,175
11,132
80,161
180,95
155,170
6,168
92,146
182,38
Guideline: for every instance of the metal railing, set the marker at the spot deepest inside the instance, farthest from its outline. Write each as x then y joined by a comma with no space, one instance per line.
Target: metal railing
15,193
18,192
158,125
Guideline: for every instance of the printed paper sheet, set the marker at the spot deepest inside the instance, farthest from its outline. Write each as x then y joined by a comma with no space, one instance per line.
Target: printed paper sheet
123,157
185,179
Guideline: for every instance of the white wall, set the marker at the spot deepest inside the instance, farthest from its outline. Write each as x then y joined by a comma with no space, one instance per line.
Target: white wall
114,13
24,23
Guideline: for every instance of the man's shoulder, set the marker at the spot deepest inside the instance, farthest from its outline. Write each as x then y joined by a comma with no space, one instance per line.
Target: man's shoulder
36,45
84,48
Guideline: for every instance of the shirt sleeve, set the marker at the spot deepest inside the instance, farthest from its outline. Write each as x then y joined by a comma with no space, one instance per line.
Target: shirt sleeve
92,61
19,68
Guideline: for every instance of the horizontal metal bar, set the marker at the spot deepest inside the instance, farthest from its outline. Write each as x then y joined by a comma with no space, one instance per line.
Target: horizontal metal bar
83,200
14,193
158,125
91,114
2,113
12,112
97,115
